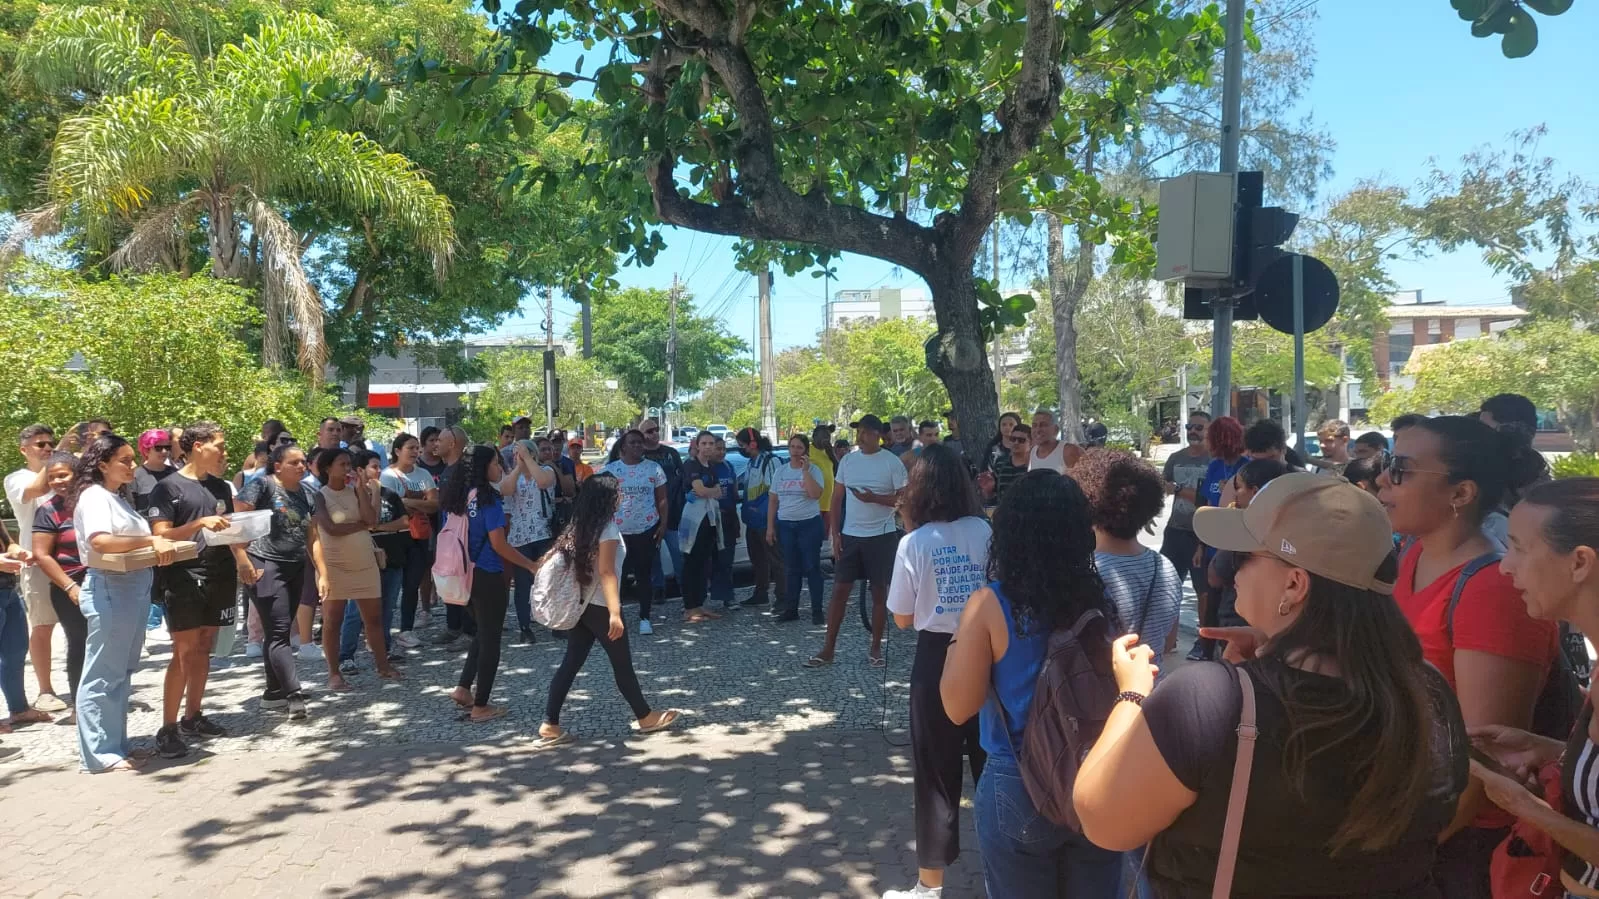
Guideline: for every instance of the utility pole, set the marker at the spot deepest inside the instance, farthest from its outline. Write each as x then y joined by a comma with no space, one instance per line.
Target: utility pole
581,294
998,363
768,370
549,355
1232,100
671,357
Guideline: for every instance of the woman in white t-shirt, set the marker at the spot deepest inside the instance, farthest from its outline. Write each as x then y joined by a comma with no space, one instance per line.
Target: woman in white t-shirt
640,515
419,491
595,550
939,564
528,490
115,603
794,520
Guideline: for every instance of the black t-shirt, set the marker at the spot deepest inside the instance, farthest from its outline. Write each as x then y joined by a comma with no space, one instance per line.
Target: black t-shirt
395,544
291,519
669,460
1193,716
179,500
692,471
144,481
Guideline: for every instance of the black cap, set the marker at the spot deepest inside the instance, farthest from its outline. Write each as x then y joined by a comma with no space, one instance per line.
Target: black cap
868,421
521,418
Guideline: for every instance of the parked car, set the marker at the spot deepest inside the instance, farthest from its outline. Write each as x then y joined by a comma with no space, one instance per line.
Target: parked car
722,431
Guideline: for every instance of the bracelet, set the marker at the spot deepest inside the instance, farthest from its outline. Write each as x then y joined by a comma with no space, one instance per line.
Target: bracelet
1130,696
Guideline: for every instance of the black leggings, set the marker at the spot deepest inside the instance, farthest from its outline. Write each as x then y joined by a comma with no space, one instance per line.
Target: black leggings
77,630
489,598
641,551
276,596
595,625
937,747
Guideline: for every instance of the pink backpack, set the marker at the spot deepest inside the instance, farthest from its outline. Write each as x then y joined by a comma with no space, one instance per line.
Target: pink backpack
452,565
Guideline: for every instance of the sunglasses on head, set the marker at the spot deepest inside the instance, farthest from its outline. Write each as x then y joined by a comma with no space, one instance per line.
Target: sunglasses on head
1399,466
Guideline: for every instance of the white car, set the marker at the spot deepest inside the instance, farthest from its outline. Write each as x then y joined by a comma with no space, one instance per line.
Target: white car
722,431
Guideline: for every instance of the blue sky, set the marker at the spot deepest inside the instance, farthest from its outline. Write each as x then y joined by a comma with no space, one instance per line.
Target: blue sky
1397,82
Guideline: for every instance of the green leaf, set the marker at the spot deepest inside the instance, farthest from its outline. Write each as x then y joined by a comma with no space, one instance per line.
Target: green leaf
1521,38
558,102
523,123
1548,7
1470,10
492,7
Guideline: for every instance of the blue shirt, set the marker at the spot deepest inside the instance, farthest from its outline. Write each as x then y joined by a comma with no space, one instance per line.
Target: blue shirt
481,518
1217,474
1013,678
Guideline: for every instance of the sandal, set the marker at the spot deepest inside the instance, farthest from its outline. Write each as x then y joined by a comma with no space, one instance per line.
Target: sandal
668,718
494,711
127,764
391,674
877,661
817,662
465,704
564,738
29,716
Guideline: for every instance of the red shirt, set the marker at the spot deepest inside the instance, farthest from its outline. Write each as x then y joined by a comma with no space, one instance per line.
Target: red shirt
1490,618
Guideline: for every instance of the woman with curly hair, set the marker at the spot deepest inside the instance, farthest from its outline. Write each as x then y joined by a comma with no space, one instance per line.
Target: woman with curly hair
1041,579
937,567
1125,495
115,603
593,547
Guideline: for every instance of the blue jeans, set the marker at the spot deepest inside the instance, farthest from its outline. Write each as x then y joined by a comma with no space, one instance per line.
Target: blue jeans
1134,868
117,606
1025,855
392,580
673,549
13,649
522,583
801,542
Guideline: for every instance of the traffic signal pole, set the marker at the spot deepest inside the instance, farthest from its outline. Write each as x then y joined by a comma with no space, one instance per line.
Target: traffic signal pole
1221,366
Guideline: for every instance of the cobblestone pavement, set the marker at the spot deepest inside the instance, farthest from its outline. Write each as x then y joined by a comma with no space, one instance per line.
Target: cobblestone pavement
781,781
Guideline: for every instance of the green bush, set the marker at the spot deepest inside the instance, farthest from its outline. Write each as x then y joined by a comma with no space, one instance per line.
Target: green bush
1577,465
156,351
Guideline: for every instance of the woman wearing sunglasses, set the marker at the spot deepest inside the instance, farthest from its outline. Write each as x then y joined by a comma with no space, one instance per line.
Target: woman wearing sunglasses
1446,474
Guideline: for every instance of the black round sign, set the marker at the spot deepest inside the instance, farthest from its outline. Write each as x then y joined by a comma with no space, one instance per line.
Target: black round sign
1274,293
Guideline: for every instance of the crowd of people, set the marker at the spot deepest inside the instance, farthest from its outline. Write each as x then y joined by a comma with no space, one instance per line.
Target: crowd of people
1379,678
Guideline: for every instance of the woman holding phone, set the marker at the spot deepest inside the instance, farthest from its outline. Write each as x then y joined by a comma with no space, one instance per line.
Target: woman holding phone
794,520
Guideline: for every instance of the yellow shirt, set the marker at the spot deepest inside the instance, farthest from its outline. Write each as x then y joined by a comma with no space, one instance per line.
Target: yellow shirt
826,500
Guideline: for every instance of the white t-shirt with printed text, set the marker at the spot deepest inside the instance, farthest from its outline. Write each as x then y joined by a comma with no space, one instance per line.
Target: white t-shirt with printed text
789,485
937,568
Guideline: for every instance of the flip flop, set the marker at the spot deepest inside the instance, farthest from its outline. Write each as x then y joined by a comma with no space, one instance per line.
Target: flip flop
495,711
464,705
668,718
877,661
564,738
817,662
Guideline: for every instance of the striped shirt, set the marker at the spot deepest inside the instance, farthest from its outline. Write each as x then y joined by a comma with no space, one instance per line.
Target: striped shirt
1145,588
1580,782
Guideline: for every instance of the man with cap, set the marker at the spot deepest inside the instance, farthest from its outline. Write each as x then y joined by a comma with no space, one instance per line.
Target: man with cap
866,487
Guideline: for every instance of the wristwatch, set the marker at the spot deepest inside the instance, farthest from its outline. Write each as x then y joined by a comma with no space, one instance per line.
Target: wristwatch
1130,696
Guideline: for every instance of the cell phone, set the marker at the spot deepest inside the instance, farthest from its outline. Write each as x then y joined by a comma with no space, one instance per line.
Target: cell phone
1492,764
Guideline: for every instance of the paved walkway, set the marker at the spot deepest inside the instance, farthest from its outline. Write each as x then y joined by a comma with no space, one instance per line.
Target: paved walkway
781,781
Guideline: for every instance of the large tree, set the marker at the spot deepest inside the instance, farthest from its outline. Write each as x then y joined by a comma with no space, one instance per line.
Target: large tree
896,131
175,138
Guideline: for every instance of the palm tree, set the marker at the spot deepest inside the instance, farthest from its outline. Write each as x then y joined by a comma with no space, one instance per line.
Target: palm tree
173,139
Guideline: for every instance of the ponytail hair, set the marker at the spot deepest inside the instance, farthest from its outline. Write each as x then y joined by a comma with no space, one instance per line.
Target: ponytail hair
1501,463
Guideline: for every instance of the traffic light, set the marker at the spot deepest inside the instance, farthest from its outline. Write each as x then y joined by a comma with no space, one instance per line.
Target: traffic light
1258,235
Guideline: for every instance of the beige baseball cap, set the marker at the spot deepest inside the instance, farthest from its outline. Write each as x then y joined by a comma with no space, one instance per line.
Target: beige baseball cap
1320,523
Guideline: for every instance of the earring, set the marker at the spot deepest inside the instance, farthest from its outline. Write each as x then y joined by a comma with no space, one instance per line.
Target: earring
1282,607
1455,510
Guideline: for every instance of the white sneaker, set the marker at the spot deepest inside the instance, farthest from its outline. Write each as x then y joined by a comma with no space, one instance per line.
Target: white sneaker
310,651
645,628
252,650
407,640
918,892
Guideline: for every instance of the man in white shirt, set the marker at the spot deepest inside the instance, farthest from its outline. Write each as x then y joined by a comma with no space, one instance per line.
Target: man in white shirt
867,487
25,489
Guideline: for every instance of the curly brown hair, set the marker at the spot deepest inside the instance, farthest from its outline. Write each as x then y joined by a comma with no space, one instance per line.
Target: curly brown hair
1125,493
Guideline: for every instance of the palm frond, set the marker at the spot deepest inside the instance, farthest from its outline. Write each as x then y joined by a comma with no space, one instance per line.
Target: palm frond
94,49
157,236
29,225
359,176
114,158
289,55
287,292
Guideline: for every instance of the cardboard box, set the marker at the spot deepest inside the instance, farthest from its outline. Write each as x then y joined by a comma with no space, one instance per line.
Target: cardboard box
145,558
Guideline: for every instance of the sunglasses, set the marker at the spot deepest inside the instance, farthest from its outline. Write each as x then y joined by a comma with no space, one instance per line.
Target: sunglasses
1018,439
45,444
651,431
1398,468
1193,427
163,447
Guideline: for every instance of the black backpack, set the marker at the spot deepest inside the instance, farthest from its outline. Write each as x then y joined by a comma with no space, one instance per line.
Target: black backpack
1560,702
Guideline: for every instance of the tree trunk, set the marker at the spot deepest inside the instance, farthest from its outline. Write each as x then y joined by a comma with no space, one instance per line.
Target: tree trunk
363,387
957,356
1066,290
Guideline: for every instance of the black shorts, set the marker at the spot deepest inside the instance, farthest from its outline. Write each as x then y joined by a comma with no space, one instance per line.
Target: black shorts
195,599
866,559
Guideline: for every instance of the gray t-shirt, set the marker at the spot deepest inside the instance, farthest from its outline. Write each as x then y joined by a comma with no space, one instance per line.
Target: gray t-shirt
1185,470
